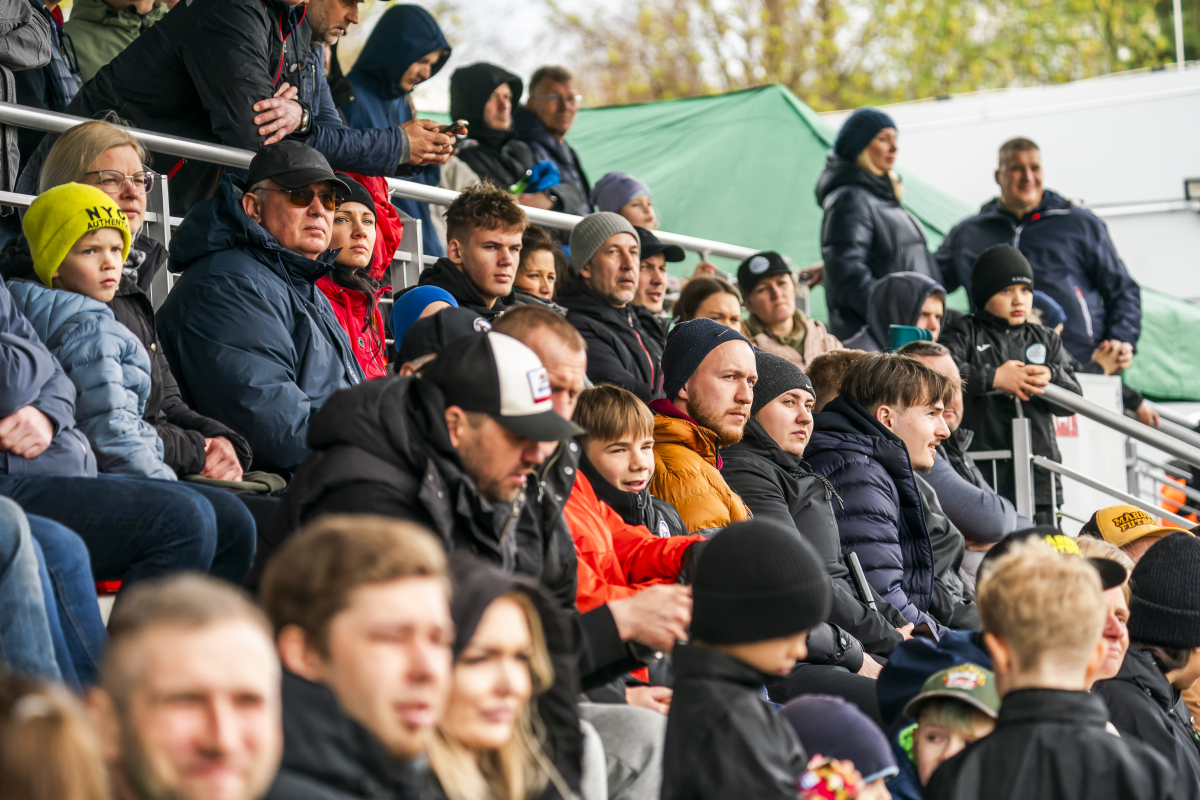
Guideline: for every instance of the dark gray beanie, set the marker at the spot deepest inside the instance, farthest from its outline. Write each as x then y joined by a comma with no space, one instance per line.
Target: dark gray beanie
688,344
756,581
592,231
1165,586
858,131
776,375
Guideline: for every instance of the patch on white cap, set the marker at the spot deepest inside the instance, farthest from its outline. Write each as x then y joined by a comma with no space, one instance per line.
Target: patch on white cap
524,384
539,384
759,264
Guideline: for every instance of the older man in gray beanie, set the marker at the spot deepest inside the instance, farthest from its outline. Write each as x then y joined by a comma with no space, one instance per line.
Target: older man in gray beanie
598,295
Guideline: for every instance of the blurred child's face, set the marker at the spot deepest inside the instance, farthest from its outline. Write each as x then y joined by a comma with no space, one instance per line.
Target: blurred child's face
935,743
640,212
93,265
772,656
627,464
875,790
1013,304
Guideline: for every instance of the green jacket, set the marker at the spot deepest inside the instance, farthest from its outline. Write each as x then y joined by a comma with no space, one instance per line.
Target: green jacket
98,33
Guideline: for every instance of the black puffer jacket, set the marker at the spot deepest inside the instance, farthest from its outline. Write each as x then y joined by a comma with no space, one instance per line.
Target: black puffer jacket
636,508
496,156
866,234
620,349
723,740
780,487
1051,744
1143,706
445,275
953,602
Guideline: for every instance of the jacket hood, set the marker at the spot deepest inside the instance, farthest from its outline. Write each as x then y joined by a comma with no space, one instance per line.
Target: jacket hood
470,88
478,584
1141,669
839,172
404,35
219,223
99,12
444,274
897,300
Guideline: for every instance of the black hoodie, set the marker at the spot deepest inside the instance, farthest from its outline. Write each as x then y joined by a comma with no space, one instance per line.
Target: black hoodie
621,349
866,234
635,508
897,299
495,155
446,275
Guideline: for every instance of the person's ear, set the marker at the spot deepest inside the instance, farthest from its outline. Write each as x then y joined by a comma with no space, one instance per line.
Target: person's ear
296,655
996,176
886,417
252,205
1002,654
683,392
456,418
585,271
454,251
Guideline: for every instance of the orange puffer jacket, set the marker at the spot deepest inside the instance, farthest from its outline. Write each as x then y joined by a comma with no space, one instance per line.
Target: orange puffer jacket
687,472
616,559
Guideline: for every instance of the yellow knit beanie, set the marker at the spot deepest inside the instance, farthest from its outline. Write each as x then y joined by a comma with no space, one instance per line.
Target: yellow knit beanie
58,218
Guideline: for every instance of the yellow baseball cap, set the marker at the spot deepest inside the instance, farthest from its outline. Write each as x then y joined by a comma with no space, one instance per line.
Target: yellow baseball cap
58,218
1120,525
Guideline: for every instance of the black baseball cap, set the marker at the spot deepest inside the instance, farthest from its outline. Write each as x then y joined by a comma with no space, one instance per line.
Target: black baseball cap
497,375
649,245
430,334
1112,574
293,165
759,266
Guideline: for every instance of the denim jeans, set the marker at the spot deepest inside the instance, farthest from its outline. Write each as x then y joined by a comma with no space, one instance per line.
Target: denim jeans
25,637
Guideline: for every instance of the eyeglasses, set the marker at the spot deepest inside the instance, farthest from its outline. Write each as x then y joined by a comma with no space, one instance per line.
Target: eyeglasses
111,181
302,198
569,101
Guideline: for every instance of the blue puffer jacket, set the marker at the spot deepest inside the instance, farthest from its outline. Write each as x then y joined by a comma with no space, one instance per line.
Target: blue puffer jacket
404,35
111,373
1073,259
251,340
880,517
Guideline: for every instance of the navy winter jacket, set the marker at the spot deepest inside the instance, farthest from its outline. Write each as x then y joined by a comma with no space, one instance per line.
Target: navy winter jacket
33,377
250,338
881,517
404,35
574,189
1074,261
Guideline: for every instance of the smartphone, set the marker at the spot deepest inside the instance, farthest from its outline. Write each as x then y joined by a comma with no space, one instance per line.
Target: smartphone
457,128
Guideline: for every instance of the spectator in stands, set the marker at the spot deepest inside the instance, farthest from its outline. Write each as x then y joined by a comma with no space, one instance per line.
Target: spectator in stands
543,123
177,715
428,335
1128,528
902,298
868,442
838,730
484,226
100,29
1116,626
709,381
599,301
1001,356
774,323
652,279
48,747
768,471
621,193
247,305
43,75
542,263
722,739
362,622
709,298
505,630
353,286
29,40
866,233
1043,613
415,304
405,48
826,372
1073,258
983,516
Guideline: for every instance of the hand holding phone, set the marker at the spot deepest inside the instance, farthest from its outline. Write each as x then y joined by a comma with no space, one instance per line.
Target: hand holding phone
456,128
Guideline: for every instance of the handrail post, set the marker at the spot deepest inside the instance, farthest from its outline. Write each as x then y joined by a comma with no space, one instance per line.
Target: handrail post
1133,479
1023,466
159,202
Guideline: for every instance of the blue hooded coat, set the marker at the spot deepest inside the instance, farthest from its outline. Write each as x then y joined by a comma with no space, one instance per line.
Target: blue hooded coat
251,340
404,35
881,517
111,373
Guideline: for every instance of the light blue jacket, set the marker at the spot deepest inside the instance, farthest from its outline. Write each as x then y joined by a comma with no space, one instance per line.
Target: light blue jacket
111,373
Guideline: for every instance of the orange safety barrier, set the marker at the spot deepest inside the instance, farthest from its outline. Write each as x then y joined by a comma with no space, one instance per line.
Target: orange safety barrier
1174,500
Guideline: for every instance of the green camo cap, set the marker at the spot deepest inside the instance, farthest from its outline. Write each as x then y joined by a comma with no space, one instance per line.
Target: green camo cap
968,683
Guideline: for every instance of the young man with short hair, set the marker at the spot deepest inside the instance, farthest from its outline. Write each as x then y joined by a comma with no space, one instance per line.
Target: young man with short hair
188,705
769,294
652,282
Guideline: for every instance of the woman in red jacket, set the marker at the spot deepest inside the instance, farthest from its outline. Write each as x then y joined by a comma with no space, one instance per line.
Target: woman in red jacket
368,230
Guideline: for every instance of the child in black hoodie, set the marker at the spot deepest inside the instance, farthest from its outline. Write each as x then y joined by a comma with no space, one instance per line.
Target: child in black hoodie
1002,356
758,590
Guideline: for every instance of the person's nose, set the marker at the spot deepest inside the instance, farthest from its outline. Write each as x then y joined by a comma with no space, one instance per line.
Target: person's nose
745,393
940,429
218,736
640,461
423,659
804,416
359,231
128,190
658,279
352,14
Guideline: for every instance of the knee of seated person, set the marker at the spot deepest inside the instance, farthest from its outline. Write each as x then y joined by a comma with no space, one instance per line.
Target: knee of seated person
13,528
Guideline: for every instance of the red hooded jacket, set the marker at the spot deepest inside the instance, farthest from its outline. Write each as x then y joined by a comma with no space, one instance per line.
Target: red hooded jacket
350,306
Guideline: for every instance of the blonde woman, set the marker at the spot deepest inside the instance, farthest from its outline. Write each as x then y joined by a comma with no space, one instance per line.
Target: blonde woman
490,742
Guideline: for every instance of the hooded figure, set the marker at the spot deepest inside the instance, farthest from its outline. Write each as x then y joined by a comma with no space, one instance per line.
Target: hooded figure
494,155
897,299
405,34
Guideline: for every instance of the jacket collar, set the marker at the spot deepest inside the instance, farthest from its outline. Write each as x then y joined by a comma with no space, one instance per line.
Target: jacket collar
696,662
989,320
1141,669
756,440
672,426
1025,706
631,506
1051,201
445,274
577,296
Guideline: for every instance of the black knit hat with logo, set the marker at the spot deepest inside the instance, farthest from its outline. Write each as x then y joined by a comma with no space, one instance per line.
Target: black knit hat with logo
776,375
997,268
1165,605
758,581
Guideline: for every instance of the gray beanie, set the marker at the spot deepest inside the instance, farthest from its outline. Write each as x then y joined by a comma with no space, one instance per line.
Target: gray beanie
592,231
776,375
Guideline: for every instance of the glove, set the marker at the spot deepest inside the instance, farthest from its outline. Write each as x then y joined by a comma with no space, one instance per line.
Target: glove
538,178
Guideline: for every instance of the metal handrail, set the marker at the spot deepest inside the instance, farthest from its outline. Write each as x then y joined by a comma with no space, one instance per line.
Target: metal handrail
1174,417
1125,497
55,122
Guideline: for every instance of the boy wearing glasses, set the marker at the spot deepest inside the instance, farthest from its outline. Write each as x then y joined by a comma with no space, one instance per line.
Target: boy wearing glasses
250,338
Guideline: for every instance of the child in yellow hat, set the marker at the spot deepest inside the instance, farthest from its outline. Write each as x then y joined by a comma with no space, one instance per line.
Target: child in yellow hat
79,239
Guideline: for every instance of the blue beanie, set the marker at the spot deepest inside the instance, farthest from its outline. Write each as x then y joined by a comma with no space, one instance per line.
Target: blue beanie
688,344
1052,313
836,729
408,307
858,131
615,190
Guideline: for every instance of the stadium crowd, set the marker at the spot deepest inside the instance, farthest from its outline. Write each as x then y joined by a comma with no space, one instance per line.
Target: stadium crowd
551,523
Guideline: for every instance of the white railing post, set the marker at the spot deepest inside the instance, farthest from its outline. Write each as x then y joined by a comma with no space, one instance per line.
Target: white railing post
158,203
1023,466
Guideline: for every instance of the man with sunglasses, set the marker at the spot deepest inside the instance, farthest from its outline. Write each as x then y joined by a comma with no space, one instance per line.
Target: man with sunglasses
251,340
543,122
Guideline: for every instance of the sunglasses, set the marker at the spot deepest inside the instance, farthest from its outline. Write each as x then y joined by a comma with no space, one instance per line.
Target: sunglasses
302,198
